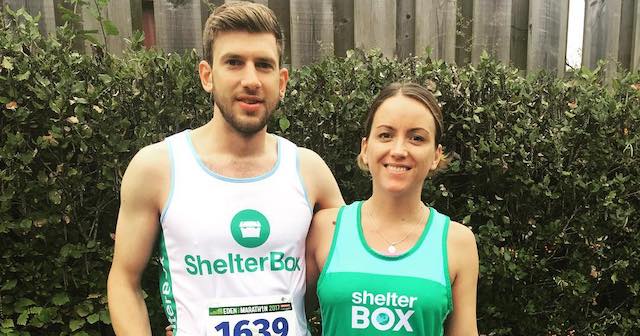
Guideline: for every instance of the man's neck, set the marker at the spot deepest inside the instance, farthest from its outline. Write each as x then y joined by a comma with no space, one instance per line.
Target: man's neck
218,136
234,155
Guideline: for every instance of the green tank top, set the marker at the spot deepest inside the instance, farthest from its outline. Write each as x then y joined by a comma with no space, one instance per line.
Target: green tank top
363,292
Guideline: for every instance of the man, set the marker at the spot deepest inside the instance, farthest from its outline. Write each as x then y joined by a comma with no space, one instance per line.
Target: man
230,203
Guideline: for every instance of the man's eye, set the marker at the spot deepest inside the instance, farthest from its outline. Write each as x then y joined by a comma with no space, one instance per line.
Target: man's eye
264,65
234,62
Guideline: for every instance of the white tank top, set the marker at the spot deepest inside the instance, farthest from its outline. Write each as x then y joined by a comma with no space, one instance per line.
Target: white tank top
232,249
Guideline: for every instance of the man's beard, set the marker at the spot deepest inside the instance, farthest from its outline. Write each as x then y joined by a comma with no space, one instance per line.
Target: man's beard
246,129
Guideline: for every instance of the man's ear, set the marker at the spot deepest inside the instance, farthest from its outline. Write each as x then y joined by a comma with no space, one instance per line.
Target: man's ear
284,78
204,69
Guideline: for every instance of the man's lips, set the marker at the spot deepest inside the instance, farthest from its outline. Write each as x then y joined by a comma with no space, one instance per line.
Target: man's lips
249,103
249,99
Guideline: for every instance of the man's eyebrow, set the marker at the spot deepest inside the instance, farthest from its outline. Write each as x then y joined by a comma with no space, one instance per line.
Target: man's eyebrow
269,60
263,59
230,55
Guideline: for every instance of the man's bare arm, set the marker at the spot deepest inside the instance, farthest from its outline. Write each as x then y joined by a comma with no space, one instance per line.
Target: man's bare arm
318,246
144,189
322,188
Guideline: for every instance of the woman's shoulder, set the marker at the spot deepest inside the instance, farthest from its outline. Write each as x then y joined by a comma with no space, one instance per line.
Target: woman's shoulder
461,244
460,234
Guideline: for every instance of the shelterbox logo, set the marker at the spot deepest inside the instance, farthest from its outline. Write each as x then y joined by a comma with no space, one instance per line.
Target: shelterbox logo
250,228
236,263
393,311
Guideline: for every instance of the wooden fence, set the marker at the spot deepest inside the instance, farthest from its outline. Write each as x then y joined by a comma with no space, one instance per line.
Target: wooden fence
529,34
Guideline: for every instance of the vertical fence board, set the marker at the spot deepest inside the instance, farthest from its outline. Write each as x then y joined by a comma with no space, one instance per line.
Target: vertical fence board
406,27
90,23
454,29
380,35
214,3
626,33
148,24
491,29
45,8
436,28
464,31
126,15
343,27
311,31
635,48
179,27
48,20
601,33
562,44
281,9
548,35
77,43
519,27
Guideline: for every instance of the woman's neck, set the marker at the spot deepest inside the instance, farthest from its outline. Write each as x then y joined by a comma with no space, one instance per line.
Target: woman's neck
392,209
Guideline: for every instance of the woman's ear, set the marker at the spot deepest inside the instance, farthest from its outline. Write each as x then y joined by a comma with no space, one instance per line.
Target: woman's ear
362,156
437,157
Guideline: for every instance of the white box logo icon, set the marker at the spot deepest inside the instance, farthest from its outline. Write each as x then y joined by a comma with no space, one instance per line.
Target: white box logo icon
250,229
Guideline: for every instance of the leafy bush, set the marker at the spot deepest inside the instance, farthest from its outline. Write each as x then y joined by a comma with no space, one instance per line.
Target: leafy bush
70,124
545,171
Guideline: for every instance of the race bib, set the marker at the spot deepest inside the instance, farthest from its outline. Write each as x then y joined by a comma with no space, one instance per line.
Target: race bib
254,316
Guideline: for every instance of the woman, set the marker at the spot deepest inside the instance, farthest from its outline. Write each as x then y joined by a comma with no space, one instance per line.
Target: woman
390,264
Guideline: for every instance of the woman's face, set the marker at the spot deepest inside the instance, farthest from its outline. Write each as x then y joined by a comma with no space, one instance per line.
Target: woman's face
400,150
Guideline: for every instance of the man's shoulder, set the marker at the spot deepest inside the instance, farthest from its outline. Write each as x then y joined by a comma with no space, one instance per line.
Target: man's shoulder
154,152
327,216
151,160
312,166
308,156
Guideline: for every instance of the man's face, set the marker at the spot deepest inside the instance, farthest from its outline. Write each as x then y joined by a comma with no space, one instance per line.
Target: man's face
244,79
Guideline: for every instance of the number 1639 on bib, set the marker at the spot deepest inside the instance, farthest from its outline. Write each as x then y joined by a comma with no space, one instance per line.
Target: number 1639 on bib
273,316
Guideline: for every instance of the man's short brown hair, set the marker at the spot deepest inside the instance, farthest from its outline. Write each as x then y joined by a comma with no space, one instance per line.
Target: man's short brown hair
240,16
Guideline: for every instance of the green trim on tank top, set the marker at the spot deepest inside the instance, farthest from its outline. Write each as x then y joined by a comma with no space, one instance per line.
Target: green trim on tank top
168,299
344,245
406,254
445,262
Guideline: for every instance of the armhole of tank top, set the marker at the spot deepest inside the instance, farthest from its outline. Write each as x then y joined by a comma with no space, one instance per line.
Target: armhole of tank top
300,178
334,242
172,178
445,260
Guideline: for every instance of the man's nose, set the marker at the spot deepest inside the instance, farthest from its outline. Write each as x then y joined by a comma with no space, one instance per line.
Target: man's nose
250,78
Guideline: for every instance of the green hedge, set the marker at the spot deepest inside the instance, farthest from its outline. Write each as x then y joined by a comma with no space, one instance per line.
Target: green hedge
546,172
